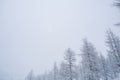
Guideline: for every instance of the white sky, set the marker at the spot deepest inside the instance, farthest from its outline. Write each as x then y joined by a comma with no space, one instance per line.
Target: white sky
35,33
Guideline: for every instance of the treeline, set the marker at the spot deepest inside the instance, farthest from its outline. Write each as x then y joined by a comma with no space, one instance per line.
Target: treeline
92,65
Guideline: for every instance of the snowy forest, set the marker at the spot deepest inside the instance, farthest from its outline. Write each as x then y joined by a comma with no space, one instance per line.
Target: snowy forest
89,64
92,65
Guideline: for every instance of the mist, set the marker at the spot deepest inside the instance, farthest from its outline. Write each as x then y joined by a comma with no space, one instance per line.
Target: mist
35,33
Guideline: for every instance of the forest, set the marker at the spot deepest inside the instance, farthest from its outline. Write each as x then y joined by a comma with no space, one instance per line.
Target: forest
92,65
89,64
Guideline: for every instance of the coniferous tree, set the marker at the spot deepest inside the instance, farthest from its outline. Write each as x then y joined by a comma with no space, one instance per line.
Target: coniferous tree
63,71
70,64
113,43
55,71
104,68
89,62
30,76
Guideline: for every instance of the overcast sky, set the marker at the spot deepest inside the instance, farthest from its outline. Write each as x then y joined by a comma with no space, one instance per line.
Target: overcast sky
35,33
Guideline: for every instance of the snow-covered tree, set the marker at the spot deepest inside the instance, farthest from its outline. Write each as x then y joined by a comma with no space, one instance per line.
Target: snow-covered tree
90,61
79,72
112,67
30,76
104,70
113,43
117,3
70,64
56,75
63,71
38,77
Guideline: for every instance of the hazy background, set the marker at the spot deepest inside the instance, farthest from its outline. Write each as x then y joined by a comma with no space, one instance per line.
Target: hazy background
35,33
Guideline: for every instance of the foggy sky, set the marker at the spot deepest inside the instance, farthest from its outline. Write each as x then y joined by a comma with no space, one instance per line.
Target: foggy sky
35,33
